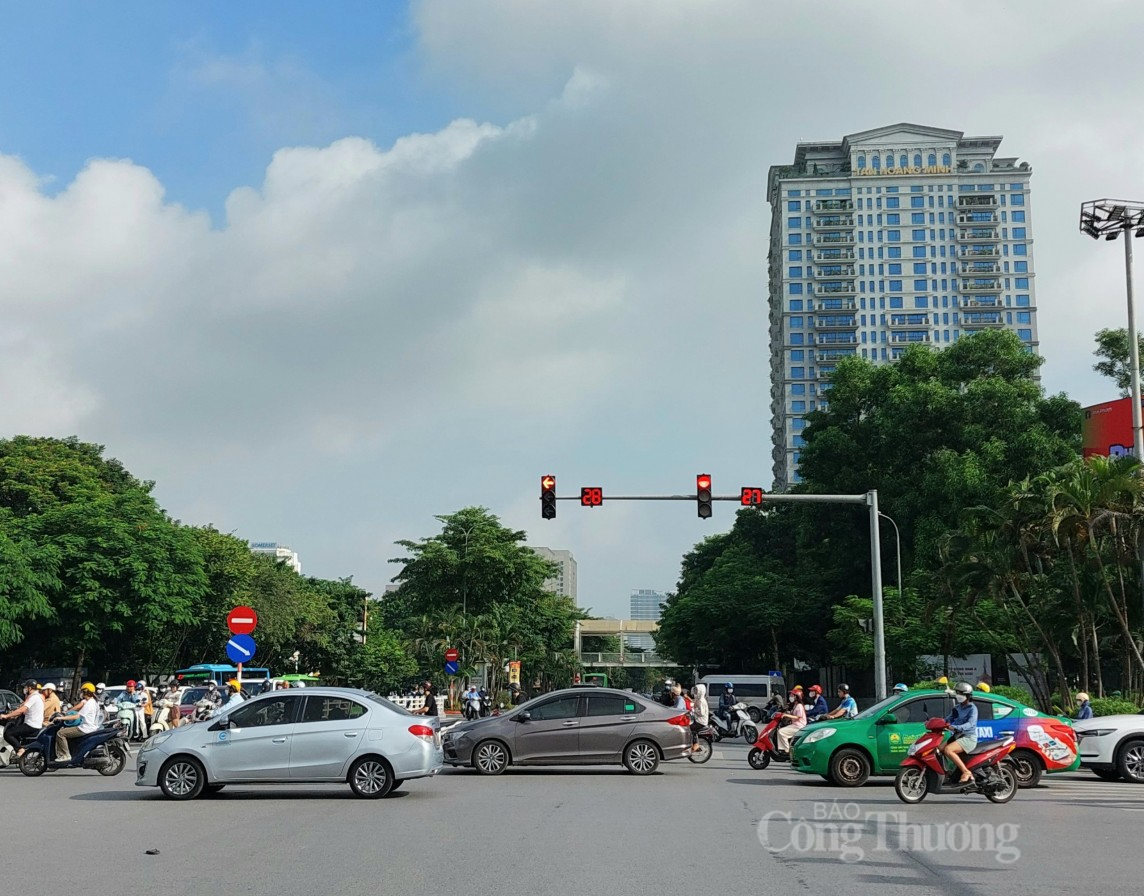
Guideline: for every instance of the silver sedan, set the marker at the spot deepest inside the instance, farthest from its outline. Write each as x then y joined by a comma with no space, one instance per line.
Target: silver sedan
316,735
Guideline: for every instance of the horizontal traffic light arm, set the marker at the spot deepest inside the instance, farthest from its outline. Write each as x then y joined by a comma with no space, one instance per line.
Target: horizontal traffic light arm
770,499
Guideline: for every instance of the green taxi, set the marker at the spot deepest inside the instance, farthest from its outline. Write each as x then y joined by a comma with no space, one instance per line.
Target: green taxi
848,752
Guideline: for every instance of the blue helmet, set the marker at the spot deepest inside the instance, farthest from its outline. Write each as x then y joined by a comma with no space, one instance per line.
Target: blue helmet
900,688
729,686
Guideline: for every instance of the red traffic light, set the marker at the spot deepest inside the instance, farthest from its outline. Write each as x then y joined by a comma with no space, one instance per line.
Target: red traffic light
548,482
702,481
703,495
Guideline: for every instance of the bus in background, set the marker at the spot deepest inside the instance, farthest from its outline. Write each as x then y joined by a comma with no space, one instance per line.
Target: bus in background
254,678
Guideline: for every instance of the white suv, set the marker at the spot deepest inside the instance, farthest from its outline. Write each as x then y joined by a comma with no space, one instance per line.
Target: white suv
1113,746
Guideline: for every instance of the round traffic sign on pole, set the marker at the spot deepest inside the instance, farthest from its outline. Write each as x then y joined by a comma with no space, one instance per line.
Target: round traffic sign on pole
451,655
240,649
241,620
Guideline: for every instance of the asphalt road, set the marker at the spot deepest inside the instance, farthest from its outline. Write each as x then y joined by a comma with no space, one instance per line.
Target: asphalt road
721,827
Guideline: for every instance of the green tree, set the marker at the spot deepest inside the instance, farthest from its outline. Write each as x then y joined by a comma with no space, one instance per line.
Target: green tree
1112,349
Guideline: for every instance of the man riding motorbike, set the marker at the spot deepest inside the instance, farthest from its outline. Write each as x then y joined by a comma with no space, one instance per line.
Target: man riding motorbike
31,716
726,701
847,708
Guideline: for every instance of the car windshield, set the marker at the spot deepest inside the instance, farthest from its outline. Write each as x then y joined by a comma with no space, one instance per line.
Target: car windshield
878,708
388,704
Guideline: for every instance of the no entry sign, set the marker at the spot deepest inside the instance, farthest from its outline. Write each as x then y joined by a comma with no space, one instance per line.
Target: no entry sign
241,620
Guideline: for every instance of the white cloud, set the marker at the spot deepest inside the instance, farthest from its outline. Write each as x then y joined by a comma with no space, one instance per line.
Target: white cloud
373,335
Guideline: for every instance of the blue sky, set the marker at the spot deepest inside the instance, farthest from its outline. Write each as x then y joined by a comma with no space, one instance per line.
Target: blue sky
324,276
204,93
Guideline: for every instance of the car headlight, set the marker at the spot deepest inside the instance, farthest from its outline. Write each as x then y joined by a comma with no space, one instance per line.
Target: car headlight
154,740
1096,732
819,734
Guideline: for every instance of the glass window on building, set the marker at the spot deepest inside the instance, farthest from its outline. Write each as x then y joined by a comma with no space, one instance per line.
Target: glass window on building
919,236
1020,249
798,406
796,304
794,255
1025,335
917,201
794,239
1024,317
794,272
1016,198
895,269
794,206
1022,283
892,202
1018,217
798,373
798,354
1023,301
896,302
918,218
798,389
1021,267
794,223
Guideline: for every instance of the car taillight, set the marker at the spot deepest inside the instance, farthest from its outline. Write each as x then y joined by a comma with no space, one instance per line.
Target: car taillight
683,721
421,731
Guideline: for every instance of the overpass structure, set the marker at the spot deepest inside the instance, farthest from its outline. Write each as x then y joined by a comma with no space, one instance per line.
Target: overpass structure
618,627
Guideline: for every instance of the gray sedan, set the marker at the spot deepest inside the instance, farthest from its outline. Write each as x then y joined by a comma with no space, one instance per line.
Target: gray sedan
319,735
578,726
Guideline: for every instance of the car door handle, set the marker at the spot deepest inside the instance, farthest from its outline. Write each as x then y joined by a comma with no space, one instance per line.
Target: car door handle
571,722
278,740
349,734
627,718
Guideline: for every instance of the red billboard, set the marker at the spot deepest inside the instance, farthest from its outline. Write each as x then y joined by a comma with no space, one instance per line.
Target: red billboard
1107,429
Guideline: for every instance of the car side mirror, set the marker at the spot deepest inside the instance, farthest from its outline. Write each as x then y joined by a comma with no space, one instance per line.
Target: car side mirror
523,716
888,719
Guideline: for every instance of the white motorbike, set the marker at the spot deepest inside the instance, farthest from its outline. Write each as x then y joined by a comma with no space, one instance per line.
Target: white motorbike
737,723
131,717
166,711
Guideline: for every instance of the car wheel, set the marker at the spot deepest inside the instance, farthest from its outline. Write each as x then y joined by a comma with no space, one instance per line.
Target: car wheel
1129,761
370,778
750,733
33,763
910,784
1027,767
755,715
182,778
641,757
116,762
490,757
758,759
850,768
1107,774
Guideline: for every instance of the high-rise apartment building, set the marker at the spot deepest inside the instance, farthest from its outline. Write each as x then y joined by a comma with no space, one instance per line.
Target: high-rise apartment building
564,582
887,238
278,552
645,605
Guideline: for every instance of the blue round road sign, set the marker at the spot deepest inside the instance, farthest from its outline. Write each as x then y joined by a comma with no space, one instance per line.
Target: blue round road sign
452,667
240,648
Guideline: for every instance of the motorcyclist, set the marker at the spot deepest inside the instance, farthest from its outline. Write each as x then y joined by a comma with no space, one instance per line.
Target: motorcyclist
962,721
88,716
899,689
700,713
472,703
171,697
234,694
847,708
31,718
677,697
213,694
52,703
816,706
797,717
726,701
517,695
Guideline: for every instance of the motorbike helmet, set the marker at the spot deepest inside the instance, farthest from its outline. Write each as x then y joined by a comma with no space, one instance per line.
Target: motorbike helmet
963,689
728,686
131,683
982,686
88,688
31,683
233,683
99,687
844,687
815,689
900,688
48,686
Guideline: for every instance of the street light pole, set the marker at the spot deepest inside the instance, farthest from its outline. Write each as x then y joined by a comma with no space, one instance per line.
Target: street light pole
876,583
1109,218
897,548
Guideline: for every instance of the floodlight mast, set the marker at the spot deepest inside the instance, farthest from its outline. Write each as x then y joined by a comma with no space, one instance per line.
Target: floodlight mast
1109,218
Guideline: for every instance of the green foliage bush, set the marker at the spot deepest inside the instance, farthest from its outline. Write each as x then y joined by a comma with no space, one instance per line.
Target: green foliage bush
1021,695
928,686
1112,706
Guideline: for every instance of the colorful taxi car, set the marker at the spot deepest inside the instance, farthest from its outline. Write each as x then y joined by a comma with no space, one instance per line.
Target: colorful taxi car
876,742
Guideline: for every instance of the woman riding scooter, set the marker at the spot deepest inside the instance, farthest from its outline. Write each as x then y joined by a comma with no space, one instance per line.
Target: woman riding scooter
78,722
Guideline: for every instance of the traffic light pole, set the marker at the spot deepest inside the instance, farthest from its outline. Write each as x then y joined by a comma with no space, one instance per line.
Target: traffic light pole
870,499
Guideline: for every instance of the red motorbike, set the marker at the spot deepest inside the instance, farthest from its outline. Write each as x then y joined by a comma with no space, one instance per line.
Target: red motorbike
924,770
766,745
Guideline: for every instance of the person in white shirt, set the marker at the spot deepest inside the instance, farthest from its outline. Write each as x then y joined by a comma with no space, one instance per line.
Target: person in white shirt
32,711
88,716
234,694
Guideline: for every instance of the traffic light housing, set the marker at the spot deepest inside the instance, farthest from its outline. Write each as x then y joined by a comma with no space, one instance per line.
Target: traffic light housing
548,497
703,495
